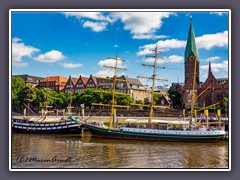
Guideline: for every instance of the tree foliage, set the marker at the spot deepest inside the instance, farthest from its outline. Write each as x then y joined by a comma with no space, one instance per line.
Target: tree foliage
46,97
176,98
17,86
225,104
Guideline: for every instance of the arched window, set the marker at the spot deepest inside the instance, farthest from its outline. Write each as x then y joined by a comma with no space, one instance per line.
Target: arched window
208,99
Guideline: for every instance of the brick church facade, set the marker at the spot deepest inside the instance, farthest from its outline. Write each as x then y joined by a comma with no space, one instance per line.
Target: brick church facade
216,91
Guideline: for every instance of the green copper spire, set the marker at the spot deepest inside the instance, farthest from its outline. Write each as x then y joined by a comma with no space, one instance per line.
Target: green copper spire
191,43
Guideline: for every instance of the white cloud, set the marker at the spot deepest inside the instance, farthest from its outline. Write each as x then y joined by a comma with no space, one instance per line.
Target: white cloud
109,62
108,71
16,39
71,65
163,45
50,57
142,25
214,58
104,73
89,15
77,75
100,20
206,41
95,26
203,75
216,67
219,13
20,50
149,36
116,46
19,64
169,59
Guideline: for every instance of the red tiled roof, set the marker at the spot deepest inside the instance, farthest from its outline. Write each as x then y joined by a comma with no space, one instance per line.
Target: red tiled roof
57,79
74,80
61,88
94,79
84,79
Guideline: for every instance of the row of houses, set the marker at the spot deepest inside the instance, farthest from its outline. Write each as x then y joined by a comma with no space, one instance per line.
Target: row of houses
131,86
124,84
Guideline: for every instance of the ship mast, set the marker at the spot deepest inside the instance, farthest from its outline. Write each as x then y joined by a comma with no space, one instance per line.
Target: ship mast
117,59
69,107
113,92
193,93
153,78
28,102
46,98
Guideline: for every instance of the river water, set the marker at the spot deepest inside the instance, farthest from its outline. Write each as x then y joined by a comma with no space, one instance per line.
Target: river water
75,151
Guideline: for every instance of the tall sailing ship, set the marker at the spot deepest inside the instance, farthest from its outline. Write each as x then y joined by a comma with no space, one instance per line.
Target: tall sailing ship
189,132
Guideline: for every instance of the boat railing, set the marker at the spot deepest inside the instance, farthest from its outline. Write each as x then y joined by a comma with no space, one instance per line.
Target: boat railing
179,128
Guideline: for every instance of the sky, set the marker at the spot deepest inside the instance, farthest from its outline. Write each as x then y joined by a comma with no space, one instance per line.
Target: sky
81,42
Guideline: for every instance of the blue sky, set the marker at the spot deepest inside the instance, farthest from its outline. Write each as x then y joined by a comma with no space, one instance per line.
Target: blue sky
74,43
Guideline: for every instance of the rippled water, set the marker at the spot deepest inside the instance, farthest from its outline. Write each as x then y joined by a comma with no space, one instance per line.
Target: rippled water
73,151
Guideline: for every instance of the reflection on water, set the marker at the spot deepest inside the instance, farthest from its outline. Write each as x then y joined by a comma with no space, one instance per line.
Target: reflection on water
50,151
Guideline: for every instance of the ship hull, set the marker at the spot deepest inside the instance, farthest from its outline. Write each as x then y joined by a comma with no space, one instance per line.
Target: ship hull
120,134
58,131
69,127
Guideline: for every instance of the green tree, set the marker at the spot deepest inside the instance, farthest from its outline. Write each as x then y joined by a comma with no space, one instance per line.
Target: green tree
176,98
123,99
156,97
17,85
37,98
146,101
60,100
100,96
87,97
25,97
223,83
139,102
225,104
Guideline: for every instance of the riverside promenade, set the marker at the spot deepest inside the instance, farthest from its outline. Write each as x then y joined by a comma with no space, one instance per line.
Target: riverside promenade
91,118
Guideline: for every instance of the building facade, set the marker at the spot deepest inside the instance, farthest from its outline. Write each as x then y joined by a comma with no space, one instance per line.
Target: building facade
164,100
80,84
92,82
216,91
136,89
131,86
30,80
70,85
55,83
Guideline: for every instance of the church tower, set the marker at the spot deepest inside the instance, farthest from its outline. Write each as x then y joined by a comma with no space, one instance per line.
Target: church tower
191,54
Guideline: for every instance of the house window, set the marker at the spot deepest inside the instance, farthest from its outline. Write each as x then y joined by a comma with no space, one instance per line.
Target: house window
119,85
